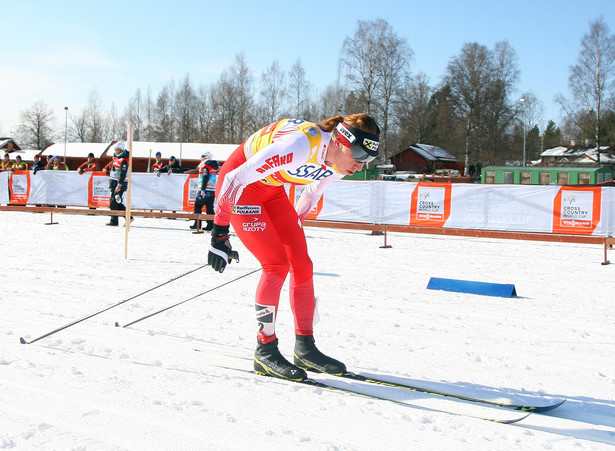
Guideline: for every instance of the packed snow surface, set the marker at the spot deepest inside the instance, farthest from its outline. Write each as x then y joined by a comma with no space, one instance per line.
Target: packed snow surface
170,382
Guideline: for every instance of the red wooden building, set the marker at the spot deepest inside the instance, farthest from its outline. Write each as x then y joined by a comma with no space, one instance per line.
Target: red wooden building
425,159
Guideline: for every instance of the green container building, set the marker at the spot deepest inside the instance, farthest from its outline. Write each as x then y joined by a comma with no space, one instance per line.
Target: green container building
546,175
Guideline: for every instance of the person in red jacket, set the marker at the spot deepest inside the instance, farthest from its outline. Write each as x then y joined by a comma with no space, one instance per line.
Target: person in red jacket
158,164
251,197
88,165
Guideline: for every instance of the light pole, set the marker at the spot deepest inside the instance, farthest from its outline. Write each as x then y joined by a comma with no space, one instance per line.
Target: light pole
522,100
65,130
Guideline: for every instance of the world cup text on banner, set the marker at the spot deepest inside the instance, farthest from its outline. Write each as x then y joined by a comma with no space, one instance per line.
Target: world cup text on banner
99,194
19,187
576,210
430,204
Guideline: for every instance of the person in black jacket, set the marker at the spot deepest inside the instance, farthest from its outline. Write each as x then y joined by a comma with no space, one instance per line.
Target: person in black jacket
172,167
205,196
118,182
38,165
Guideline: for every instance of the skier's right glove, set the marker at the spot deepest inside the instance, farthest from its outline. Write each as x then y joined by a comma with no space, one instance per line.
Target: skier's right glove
220,252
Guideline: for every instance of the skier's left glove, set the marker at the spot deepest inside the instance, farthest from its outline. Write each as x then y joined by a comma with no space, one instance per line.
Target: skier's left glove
220,252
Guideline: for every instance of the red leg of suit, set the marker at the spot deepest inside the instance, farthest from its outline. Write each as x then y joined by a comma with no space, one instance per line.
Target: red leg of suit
275,237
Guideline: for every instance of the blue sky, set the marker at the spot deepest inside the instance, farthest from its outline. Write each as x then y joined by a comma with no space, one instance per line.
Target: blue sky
60,51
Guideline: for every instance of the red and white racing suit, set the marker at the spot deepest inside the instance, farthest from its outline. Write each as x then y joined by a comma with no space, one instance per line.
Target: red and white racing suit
251,196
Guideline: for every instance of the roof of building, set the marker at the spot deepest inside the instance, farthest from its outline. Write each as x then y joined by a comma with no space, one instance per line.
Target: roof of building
184,151
562,151
5,141
432,153
76,149
143,149
26,155
579,155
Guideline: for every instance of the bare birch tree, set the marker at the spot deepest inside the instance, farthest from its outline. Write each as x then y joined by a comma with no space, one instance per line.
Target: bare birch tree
469,77
413,109
35,129
593,77
163,114
235,102
374,62
273,93
299,90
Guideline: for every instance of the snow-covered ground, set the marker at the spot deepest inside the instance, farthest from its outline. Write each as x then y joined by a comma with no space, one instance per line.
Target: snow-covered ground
159,384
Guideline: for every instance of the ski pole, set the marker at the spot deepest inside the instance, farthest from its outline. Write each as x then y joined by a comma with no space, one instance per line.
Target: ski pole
23,341
186,300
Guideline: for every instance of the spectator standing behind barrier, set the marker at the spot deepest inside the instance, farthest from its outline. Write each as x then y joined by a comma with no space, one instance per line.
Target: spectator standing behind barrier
38,165
118,181
205,196
56,163
49,160
19,165
172,167
158,164
7,163
88,165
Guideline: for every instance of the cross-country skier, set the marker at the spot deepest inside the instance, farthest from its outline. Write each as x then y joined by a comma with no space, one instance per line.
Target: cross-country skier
251,196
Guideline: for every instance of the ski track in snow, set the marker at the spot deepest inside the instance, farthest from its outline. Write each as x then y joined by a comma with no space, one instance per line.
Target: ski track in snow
158,384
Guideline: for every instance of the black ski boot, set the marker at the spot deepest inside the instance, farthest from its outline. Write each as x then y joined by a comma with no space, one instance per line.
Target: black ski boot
309,358
269,362
113,221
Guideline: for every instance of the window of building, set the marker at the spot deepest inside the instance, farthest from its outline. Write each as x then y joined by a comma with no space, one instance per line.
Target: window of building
563,178
584,178
526,178
507,177
544,178
489,176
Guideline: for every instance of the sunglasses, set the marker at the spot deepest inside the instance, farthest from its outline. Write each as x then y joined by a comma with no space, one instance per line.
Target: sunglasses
363,145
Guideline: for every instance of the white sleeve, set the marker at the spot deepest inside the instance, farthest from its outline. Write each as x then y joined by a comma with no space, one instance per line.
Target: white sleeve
311,195
287,153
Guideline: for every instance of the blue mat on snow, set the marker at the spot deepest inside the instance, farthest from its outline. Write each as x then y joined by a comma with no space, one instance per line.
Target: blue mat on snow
505,290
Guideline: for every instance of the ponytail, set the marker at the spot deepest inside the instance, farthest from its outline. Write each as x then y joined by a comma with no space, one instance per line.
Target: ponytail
328,125
361,121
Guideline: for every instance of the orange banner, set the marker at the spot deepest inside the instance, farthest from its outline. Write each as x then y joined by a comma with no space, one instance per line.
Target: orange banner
99,194
191,186
430,204
19,187
576,210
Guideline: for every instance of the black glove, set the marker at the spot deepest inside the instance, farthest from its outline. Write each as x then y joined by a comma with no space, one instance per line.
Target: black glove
220,252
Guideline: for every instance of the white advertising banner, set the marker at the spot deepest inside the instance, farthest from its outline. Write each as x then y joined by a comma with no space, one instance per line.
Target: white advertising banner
4,187
490,207
583,210
58,188
158,193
